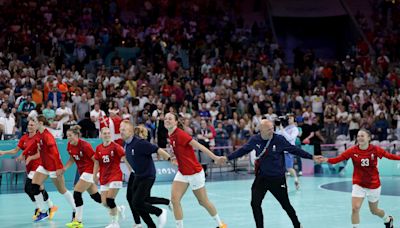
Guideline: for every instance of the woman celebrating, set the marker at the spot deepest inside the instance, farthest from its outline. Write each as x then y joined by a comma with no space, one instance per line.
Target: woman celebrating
108,157
51,167
366,182
31,165
82,153
190,171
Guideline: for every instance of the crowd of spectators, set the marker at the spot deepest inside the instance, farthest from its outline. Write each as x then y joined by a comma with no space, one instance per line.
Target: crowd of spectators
196,59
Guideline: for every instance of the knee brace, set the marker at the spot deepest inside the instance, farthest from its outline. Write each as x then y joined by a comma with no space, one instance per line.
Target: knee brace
35,189
96,197
28,189
78,199
45,194
28,186
111,203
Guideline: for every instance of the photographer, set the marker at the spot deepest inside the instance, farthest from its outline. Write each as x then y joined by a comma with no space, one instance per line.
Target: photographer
290,132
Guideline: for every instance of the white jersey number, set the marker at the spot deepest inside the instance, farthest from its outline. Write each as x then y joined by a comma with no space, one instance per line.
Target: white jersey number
365,162
76,157
106,159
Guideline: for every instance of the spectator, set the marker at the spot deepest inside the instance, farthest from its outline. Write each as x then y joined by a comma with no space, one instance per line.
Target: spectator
221,140
381,126
55,96
24,109
88,128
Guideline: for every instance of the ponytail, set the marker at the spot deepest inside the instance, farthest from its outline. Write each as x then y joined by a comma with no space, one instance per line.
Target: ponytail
180,124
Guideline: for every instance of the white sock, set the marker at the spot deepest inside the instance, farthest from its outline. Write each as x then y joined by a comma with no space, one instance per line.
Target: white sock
40,203
296,179
386,218
79,213
70,199
49,203
217,219
355,225
179,223
114,218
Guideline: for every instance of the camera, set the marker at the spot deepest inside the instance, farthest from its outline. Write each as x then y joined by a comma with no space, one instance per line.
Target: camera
282,120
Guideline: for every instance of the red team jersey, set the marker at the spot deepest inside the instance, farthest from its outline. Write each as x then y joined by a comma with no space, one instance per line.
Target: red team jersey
82,153
184,153
26,142
109,158
49,154
365,164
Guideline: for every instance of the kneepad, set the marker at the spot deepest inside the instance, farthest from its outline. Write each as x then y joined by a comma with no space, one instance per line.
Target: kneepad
111,203
78,199
28,186
96,197
35,189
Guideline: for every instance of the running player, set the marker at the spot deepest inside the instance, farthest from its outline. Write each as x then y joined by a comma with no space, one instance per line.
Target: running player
81,153
190,171
31,166
108,157
51,167
366,181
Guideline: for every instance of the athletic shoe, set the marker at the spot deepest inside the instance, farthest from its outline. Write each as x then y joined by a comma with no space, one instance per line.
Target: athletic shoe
297,185
121,212
41,216
300,173
52,211
223,226
74,224
36,213
390,223
137,226
162,219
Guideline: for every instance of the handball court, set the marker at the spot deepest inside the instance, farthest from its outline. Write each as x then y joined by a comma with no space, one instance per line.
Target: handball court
320,202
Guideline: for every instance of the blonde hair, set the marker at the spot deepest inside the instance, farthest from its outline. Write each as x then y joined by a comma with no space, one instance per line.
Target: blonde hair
76,130
141,131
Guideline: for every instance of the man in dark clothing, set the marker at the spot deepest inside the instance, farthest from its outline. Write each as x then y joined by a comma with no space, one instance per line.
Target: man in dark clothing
139,155
270,169
88,128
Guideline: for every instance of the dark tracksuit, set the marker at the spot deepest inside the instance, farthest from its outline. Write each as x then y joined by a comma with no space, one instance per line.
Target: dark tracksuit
138,153
271,175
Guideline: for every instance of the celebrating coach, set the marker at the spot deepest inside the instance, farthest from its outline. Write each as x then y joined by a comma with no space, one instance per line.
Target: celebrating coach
138,153
269,169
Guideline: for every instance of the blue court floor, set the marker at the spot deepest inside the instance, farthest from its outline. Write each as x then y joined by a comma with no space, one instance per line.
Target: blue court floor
316,206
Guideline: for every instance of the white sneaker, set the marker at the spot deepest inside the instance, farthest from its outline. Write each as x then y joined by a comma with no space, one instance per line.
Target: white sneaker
137,226
300,173
121,212
162,219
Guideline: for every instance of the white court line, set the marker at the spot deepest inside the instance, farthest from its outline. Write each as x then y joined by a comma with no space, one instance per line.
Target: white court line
228,197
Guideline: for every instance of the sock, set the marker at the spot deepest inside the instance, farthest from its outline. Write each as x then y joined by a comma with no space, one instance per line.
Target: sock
40,203
386,218
79,213
217,219
49,203
296,179
179,223
355,225
114,218
70,199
